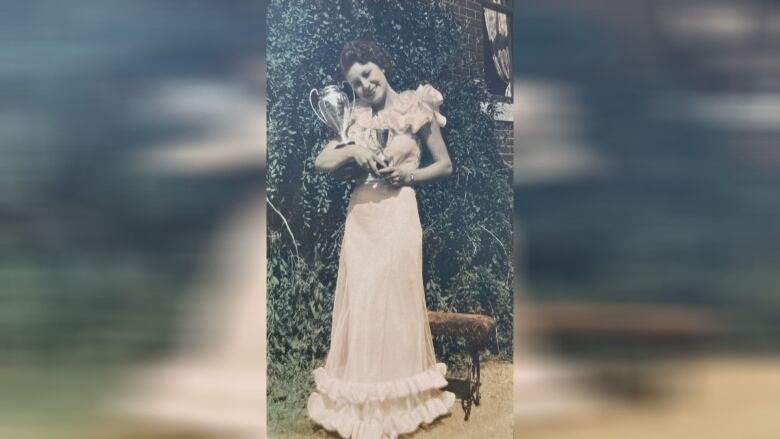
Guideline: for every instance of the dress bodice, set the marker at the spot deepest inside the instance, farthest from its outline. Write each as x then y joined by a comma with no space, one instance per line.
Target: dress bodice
408,113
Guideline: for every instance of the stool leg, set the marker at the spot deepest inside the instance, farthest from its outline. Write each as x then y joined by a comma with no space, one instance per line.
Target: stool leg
465,403
475,376
467,400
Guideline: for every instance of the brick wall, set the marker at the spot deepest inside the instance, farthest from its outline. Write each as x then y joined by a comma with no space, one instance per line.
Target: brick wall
506,141
472,65
471,18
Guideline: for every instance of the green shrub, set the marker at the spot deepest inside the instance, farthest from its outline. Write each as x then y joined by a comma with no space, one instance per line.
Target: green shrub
466,218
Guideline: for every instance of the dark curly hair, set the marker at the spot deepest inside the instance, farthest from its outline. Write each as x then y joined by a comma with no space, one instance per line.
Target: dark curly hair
363,51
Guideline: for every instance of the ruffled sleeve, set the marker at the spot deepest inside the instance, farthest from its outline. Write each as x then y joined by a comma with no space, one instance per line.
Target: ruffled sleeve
428,101
411,111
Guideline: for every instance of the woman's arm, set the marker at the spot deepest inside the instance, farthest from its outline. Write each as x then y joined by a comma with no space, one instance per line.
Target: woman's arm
331,159
440,168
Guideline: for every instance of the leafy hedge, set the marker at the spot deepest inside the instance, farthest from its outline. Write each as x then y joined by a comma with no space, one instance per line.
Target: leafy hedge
466,218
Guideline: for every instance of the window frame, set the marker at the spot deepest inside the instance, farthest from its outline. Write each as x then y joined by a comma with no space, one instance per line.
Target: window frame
507,10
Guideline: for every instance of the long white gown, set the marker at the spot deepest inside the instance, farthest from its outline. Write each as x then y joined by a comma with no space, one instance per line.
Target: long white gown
381,378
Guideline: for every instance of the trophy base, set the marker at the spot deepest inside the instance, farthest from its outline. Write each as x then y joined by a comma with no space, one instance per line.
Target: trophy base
370,179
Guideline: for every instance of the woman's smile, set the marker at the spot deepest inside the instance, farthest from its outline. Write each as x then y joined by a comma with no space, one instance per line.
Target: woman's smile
370,91
369,83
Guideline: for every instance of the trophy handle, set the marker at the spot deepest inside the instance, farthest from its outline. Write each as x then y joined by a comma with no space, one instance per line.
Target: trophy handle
343,83
311,102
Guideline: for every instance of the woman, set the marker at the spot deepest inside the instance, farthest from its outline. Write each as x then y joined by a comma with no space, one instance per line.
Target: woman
381,378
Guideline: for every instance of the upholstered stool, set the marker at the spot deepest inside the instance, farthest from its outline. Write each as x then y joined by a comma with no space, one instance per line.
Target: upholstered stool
477,331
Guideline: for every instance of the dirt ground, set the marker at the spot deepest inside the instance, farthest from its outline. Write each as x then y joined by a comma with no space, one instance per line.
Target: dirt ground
713,398
492,419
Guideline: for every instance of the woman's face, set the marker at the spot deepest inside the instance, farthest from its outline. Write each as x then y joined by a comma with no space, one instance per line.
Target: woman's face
369,83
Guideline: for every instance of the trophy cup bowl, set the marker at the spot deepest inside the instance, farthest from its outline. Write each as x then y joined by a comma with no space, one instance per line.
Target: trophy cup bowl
333,107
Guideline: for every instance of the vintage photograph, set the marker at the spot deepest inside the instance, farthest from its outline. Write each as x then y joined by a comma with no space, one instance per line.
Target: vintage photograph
389,229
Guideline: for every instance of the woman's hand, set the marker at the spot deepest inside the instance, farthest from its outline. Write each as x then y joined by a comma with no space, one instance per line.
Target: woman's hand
365,158
440,166
333,160
396,177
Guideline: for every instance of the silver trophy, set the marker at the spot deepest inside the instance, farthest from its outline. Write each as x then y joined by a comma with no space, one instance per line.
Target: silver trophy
333,107
379,138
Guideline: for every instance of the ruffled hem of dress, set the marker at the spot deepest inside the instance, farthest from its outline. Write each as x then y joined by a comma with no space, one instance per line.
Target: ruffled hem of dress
358,393
381,420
